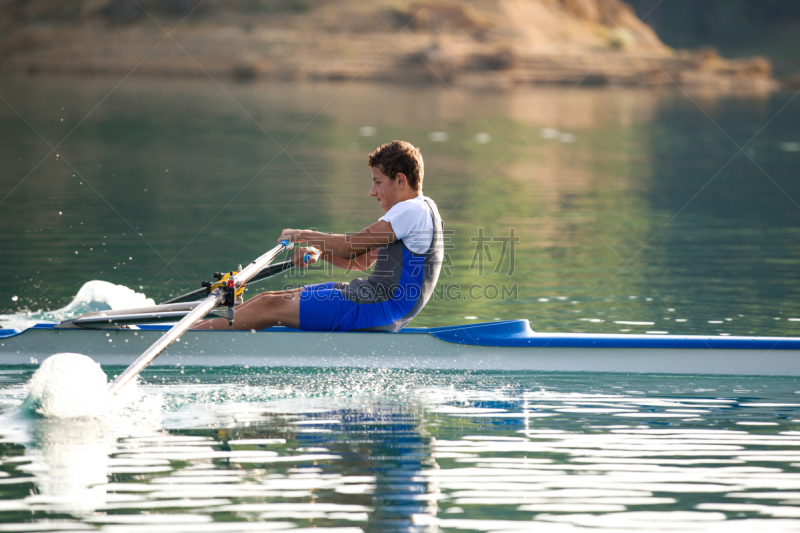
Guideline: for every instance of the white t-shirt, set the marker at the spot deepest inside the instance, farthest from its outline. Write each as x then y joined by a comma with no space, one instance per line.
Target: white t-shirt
412,222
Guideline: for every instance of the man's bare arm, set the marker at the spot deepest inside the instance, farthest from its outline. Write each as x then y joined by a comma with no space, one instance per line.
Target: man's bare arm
359,264
341,246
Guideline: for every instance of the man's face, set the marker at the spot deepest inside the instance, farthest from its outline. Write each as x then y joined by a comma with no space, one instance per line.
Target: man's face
384,189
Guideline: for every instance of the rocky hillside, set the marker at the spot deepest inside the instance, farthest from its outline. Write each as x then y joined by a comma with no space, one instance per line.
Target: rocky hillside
474,42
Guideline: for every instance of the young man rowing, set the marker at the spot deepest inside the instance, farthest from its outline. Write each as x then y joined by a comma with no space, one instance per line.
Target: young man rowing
405,245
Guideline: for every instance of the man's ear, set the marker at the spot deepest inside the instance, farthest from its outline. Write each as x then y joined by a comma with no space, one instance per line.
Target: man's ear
402,180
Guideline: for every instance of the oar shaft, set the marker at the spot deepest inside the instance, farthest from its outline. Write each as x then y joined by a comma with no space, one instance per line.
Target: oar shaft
165,340
251,270
195,316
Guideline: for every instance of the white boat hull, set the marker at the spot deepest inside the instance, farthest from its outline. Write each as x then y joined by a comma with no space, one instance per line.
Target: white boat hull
386,350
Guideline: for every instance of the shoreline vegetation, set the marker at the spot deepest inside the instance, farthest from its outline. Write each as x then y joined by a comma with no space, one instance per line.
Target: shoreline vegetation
475,43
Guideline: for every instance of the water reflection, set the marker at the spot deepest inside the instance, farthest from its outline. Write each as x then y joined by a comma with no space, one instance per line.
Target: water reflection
354,450
67,462
390,444
374,476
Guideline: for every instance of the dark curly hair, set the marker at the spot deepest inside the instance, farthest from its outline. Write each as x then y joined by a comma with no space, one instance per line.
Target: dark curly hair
399,156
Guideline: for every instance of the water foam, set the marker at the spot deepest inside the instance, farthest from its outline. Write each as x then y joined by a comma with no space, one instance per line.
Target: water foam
115,296
68,385
95,295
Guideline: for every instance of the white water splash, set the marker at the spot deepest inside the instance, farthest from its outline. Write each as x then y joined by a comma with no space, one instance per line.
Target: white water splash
95,295
68,385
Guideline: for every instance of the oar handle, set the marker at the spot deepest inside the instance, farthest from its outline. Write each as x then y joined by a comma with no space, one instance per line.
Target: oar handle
289,245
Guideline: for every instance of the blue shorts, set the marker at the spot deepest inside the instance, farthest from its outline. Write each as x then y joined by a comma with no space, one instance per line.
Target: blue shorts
323,307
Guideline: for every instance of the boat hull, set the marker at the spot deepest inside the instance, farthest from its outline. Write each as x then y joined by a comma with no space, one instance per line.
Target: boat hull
417,349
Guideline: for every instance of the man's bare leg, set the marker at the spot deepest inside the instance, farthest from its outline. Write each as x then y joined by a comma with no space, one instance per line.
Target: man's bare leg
281,308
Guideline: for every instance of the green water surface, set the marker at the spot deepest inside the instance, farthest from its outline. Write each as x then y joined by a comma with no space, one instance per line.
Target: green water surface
634,210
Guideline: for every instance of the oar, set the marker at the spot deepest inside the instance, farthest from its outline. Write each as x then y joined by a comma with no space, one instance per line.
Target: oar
197,314
268,272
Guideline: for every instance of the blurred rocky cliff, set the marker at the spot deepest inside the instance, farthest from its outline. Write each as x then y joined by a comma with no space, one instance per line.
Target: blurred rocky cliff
493,43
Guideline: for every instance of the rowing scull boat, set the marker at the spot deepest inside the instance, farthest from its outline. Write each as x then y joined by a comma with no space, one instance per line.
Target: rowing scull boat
494,346
115,337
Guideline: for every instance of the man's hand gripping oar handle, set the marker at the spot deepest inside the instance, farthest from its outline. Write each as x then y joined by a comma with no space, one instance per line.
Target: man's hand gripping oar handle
213,300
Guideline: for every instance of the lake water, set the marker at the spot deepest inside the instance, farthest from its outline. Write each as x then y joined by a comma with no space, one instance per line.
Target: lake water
350,450
635,212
